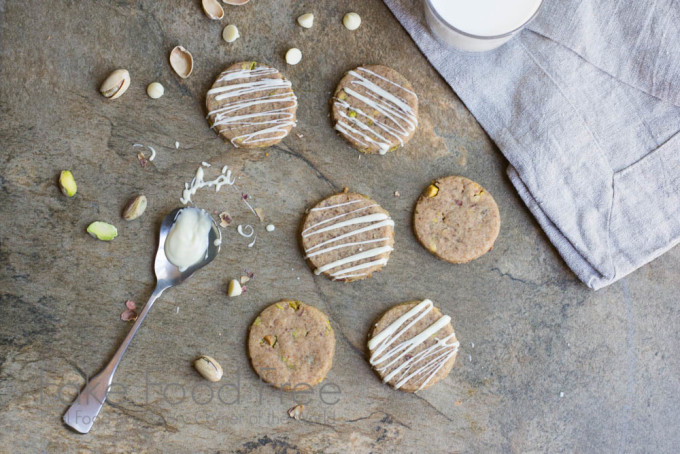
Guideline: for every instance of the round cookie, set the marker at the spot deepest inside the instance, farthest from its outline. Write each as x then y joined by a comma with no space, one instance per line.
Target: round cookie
252,105
456,219
291,343
347,237
375,109
413,346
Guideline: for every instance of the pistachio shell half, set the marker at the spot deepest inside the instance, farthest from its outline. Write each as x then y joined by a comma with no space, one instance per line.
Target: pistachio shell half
235,2
181,61
116,84
213,9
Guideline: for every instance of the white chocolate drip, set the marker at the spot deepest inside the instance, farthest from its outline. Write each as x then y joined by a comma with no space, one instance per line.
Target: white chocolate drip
351,202
198,182
422,366
352,258
374,221
363,126
337,217
358,220
270,124
339,246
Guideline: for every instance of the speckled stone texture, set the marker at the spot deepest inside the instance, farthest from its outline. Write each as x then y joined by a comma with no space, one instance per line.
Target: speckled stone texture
545,364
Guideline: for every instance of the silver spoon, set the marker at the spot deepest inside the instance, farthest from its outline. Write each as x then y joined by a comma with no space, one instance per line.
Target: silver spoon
85,408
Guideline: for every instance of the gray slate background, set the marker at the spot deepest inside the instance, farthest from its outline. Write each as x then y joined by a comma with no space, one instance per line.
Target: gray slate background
537,332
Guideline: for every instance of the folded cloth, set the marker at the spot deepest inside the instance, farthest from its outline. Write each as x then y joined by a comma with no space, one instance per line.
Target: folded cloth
584,105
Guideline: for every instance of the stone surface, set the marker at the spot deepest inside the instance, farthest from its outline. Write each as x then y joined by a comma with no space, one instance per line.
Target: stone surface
546,365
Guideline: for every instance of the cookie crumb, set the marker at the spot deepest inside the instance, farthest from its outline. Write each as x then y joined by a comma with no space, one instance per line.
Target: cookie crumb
225,219
234,289
260,214
296,412
396,193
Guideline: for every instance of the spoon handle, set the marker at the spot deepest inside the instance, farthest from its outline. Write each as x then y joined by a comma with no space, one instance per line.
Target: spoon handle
81,414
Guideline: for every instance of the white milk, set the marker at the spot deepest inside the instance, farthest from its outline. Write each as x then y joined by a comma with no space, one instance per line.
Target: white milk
478,25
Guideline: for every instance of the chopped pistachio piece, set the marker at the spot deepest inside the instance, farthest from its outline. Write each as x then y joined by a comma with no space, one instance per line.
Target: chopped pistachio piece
102,231
431,191
67,183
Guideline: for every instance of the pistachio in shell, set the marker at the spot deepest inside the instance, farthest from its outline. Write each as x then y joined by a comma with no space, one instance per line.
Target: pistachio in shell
209,368
116,84
134,208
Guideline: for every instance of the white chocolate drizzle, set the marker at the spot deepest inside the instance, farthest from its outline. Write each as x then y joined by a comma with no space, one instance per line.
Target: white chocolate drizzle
363,127
350,261
241,229
141,145
271,124
422,366
198,182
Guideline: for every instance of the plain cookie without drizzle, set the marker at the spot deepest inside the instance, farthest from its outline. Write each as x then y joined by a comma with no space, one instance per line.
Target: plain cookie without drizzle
291,343
375,109
252,105
413,346
456,219
347,237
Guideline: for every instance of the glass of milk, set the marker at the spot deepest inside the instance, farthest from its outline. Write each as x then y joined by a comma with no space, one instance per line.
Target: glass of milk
478,25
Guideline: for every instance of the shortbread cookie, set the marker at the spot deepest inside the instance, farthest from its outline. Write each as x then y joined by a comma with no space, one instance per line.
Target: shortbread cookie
375,109
456,219
291,343
252,105
413,346
347,237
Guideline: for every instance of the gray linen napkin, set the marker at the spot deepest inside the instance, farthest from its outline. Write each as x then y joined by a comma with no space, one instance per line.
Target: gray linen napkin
584,105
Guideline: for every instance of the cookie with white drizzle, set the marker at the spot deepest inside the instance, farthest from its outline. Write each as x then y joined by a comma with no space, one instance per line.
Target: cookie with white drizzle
413,346
375,109
252,105
347,237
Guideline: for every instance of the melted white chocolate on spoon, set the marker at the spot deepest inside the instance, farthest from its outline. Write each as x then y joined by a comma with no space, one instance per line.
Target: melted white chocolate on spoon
187,242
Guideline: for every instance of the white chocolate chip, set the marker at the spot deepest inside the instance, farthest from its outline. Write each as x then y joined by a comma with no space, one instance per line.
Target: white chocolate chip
234,288
155,90
293,56
270,227
306,20
230,33
351,21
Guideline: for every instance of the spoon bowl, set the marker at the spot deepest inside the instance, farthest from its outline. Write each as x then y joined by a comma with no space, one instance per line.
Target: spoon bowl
83,411
169,274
